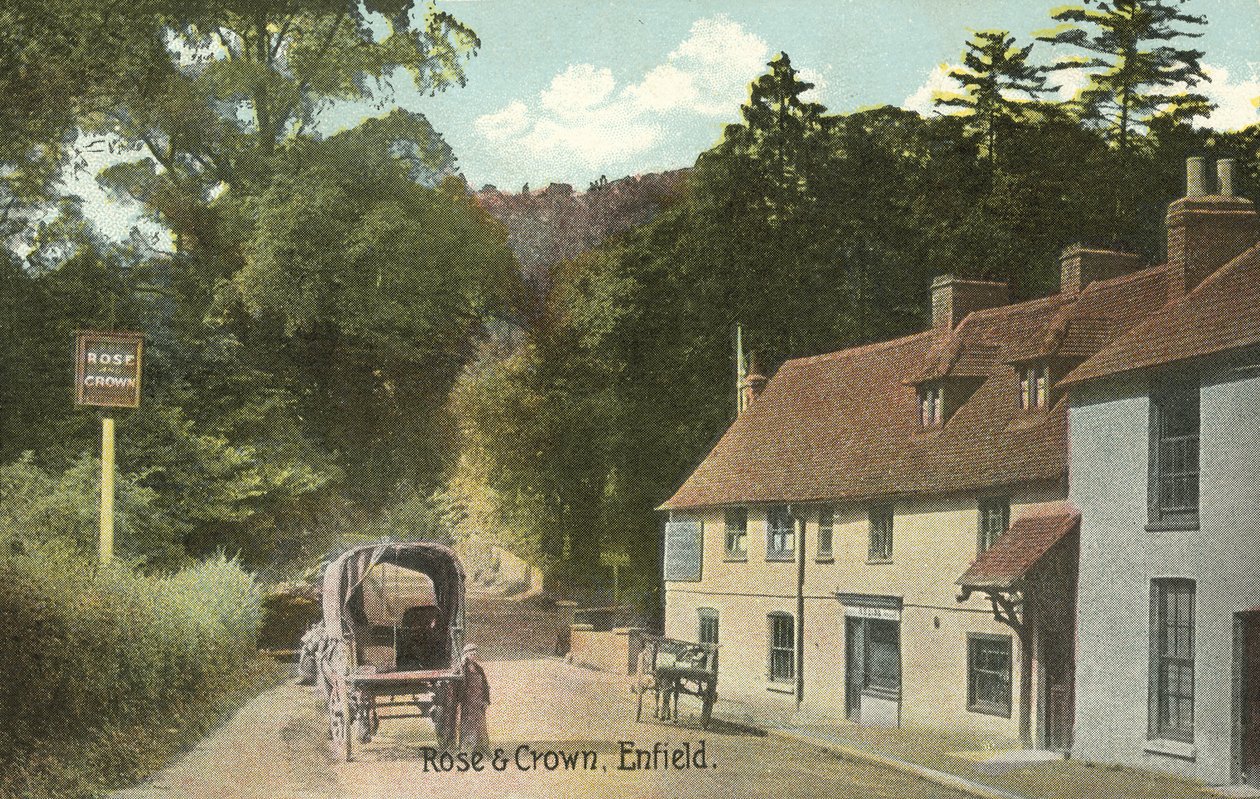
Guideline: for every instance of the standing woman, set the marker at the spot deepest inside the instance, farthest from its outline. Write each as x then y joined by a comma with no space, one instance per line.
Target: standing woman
474,700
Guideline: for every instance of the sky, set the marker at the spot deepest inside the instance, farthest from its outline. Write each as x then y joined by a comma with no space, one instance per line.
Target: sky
568,90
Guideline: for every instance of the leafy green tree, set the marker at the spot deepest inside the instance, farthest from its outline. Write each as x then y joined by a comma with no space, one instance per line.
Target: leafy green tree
994,75
60,60
775,138
1133,64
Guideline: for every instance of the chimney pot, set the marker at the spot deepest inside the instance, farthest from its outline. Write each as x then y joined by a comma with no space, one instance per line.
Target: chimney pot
954,298
1207,232
1196,177
1225,176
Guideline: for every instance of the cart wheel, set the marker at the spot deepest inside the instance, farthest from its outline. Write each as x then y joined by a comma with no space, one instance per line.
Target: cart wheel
706,712
306,667
339,722
364,716
362,729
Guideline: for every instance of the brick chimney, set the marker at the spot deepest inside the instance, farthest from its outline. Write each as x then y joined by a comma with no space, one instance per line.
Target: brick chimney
1207,231
1080,265
954,298
754,382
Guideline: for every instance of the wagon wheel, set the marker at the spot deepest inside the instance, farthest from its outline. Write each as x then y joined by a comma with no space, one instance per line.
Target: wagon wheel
706,712
339,720
365,720
444,720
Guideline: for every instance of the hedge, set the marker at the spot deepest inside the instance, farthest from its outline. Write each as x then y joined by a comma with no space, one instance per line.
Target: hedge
102,667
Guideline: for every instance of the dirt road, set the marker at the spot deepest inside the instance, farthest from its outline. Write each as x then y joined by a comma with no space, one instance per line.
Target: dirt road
559,731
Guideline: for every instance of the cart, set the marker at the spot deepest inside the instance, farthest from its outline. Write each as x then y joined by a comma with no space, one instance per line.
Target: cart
390,640
669,667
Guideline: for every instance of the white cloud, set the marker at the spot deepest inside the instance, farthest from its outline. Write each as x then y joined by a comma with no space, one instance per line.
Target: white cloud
584,115
938,80
1236,101
512,120
577,90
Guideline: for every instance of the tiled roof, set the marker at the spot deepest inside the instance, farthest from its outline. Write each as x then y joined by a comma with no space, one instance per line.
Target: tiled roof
1018,549
845,426
1221,313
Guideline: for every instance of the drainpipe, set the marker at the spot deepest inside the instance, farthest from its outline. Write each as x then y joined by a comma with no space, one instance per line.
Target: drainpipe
1025,633
800,609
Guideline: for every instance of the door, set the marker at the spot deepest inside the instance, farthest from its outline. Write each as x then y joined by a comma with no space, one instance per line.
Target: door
853,669
1251,699
1057,660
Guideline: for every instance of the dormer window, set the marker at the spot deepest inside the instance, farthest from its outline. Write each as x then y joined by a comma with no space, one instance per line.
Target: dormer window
931,404
1034,386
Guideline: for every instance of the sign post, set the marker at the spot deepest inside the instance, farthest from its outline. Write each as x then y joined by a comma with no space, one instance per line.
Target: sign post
107,371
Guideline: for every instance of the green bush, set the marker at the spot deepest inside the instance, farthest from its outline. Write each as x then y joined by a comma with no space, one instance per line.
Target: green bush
103,666
38,506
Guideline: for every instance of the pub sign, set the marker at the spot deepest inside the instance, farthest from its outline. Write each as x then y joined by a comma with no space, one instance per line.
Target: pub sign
107,369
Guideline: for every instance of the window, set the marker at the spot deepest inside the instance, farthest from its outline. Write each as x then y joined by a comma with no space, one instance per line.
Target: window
1174,489
881,534
931,404
826,518
780,533
989,674
782,647
708,626
1172,660
995,517
737,533
882,657
1034,386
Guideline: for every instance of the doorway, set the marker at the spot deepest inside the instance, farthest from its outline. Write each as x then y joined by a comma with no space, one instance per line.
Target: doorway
1250,765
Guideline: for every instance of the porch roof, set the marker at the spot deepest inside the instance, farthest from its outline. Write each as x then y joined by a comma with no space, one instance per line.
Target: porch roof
1018,549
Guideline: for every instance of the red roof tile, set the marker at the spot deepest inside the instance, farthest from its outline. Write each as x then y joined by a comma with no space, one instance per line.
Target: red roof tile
1221,313
845,426
1018,549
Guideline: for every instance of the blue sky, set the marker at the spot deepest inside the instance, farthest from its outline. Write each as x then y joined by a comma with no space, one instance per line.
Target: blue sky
568,90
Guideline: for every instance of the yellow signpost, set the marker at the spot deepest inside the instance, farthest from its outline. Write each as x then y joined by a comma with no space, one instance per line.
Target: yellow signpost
107,374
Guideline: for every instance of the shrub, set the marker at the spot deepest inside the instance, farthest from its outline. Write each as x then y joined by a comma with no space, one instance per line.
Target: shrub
97,661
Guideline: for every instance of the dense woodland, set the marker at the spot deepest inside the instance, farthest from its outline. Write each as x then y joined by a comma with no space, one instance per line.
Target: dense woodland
345,340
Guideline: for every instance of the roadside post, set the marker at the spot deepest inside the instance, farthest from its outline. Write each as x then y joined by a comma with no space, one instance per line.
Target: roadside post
107,369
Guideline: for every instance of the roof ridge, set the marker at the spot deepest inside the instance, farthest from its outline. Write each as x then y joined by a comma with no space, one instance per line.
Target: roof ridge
861,348
1147,271
1220,270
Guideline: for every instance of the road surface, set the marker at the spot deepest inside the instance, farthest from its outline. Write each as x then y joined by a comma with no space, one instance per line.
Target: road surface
561,731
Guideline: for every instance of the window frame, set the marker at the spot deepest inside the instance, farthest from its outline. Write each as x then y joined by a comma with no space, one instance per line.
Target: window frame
1159,706
974,642
931,404
781,640
826,513
878,513
739,531
1034,386
1166,394
868,646
784,534
705,618
984,512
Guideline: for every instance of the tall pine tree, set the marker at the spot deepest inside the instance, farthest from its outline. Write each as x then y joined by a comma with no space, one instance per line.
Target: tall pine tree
1133,64
994,74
